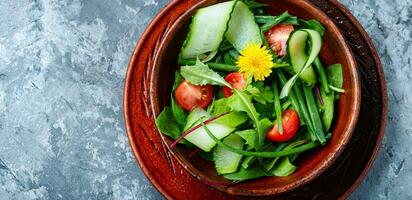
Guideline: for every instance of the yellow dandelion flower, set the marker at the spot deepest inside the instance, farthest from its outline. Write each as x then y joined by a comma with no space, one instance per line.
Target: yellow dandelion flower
255,60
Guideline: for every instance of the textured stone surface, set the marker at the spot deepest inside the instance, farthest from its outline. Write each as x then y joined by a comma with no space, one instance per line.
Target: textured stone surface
389,25
62,65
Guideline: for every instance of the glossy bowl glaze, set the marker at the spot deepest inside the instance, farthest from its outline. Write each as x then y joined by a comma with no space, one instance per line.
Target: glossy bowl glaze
311,164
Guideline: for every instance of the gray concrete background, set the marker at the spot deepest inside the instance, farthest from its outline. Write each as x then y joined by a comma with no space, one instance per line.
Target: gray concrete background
62,66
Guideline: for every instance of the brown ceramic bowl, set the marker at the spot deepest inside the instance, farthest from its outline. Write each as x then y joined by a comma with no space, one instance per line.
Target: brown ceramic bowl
311,164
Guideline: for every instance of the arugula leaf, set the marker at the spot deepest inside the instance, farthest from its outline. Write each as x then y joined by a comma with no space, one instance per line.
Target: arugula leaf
219,107
284,168
327,107
206,155
178,113
266,95
241,102
334,75
178,79
248,161
252,90
201,74
167,124
268,163
245,174
260,93
265,125
265,110
298,140
248,136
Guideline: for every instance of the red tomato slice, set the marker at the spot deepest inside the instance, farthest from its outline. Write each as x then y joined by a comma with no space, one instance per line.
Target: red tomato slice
189,96
277,37
290,125
237,80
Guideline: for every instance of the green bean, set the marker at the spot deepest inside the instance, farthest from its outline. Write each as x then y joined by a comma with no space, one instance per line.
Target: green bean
227,59
277,65
213,65
278,106
273,22
322,75
292,97
223,67
314,114
263,19
285,105
263,154
339,90
304,109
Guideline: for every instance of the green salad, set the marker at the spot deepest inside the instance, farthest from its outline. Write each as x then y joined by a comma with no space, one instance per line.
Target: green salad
251,94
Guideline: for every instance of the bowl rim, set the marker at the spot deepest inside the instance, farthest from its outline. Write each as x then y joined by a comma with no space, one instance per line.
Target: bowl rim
129,77
383,88
126,93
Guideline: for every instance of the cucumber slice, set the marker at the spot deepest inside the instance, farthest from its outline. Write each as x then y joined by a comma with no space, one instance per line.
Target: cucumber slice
194,118
211,24
296,50
242,29
201,139
220,127
207,30
227,162
233,119
316,41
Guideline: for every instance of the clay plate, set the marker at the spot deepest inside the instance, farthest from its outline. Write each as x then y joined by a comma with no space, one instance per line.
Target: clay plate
151,153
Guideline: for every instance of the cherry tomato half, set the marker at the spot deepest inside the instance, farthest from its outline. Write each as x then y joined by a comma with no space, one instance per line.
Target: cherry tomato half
290,125
237,80
189,96
277,37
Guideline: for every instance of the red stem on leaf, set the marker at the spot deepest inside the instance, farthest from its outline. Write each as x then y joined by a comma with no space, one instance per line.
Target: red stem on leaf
196,127
193,153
